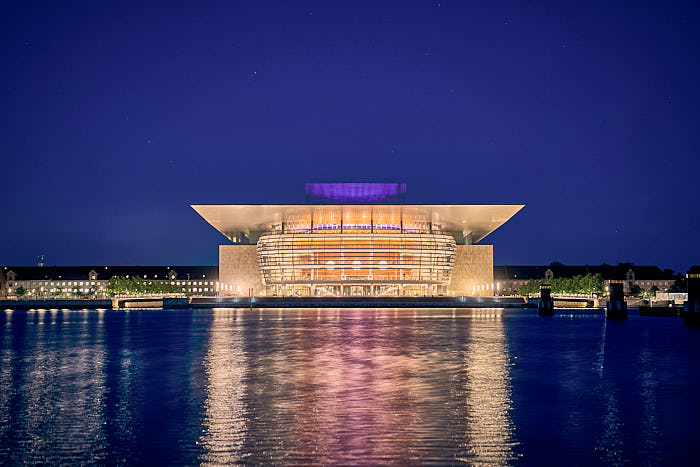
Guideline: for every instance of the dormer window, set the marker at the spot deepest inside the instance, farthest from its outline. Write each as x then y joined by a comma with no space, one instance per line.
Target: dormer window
172,275
630,275
93,275
549,274
11,276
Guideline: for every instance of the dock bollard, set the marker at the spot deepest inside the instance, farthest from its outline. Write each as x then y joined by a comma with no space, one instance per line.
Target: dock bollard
691,314
546,305
617,307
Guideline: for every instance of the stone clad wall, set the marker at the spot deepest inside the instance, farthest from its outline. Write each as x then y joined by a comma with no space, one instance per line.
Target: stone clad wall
473,266
239,267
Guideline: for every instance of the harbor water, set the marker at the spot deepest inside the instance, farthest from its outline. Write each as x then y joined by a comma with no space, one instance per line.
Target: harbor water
346,386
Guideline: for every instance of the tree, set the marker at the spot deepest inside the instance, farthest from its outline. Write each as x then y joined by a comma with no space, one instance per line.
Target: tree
21,291
653,290
588,284
136,286
636,291
678,286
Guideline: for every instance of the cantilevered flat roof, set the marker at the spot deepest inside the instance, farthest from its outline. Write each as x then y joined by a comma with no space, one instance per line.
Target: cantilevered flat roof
235,219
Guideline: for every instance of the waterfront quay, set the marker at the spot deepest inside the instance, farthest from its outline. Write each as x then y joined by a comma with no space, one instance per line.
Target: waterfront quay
170,302
136,302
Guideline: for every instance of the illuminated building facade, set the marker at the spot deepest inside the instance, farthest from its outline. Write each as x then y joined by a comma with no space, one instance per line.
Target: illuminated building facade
44,282
355,239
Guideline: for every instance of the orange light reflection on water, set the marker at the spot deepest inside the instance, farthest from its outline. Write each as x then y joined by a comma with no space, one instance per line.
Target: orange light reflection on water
346,386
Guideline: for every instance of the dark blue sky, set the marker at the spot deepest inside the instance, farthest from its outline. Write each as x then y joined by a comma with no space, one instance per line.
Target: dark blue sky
115,117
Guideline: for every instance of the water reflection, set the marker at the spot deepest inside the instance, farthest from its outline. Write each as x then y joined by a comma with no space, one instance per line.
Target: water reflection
224,425
344,387
490,435
121,366
641,434
610,441
355,386
648,387
56,383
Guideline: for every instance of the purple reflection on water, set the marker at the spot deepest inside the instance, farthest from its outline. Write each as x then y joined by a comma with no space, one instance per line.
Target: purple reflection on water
363,193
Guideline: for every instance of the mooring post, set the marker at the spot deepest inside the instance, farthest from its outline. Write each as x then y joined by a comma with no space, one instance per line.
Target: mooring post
617,307
691,313
546,305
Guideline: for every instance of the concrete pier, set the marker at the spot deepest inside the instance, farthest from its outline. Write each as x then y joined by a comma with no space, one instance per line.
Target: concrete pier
57,303
122,303
545,307
691,314
357,302
617,307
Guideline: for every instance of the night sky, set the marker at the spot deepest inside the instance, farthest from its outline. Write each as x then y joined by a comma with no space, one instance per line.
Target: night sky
115,117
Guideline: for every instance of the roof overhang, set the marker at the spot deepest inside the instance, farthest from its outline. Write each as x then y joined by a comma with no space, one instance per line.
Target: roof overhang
478,220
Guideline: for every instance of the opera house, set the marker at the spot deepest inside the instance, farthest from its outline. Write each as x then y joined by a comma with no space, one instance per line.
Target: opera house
355,239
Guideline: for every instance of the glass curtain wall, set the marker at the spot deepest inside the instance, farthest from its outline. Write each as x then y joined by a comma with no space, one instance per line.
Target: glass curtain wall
356,258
